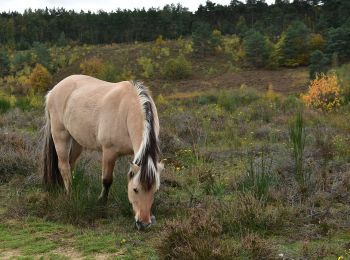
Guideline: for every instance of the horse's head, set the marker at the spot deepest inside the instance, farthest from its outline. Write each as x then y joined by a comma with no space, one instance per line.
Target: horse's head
140,198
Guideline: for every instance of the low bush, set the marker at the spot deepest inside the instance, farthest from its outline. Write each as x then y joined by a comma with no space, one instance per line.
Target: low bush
91,67
109,72
147,66
177,68
6,102
40,79
18,155
343,74
247,214
195,238
255,247
324,93
232,99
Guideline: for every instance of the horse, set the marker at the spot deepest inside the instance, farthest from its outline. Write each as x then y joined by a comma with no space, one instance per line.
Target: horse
115,118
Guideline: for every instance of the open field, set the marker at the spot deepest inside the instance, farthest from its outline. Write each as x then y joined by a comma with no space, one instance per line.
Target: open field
233,187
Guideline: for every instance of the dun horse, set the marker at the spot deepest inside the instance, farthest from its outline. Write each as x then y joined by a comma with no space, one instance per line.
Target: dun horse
115,118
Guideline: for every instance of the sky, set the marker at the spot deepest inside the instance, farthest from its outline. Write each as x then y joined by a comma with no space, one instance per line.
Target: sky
95,5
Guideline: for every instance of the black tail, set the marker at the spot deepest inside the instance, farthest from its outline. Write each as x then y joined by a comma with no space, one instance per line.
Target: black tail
51,173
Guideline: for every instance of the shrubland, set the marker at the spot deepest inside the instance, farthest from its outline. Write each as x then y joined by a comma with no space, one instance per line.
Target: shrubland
249,173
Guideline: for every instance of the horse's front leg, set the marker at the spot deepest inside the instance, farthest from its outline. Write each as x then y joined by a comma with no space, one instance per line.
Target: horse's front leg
108,162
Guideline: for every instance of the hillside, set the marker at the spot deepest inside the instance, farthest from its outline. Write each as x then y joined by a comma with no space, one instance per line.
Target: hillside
251,171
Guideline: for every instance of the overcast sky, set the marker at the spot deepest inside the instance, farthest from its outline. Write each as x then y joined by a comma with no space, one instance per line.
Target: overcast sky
95,5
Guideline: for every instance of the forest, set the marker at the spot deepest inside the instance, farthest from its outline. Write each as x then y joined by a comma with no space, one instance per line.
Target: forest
57,26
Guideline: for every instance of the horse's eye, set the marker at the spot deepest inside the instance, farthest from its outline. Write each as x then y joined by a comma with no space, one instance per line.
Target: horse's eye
131,174
136,190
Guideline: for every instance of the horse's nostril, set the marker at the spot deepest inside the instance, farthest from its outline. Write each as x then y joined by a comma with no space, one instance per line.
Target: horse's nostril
153,220
141,226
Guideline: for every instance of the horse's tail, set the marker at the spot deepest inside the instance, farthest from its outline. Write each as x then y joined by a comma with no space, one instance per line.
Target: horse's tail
51,173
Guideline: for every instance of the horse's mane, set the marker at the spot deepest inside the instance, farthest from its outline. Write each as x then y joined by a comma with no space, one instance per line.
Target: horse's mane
148,154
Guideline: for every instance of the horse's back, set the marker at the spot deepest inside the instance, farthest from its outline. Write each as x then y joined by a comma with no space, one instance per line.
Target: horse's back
89,108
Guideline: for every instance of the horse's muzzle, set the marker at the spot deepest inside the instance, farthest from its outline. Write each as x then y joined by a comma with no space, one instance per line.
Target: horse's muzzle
142,226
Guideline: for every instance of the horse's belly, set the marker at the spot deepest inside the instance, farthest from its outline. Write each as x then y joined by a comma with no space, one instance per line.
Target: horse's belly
87,139
81,124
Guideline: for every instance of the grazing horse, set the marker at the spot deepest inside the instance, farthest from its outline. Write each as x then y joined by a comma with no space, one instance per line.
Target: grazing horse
115,118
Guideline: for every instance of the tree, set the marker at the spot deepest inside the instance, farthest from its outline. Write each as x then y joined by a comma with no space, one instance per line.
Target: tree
216,41
40,79
4,63
256,49
42,54
318,63
339,41
295,47
241,26
62,40
201,38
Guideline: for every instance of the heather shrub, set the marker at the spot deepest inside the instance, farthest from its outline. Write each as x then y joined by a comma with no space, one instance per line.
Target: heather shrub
18,155
255,247
40,79
247,213
177,68
197,237
324,93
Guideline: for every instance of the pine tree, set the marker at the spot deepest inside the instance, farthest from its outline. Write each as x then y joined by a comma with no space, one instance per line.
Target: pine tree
318,63
295,47
256,48
201,38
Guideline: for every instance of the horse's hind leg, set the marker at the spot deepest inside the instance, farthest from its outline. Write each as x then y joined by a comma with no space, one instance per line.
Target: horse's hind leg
75,151
108,162
62,140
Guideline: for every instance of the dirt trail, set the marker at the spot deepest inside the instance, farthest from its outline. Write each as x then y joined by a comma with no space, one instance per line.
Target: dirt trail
285,81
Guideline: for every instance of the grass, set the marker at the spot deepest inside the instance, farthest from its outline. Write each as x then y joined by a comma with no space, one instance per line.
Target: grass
245,182
228,190
297,137
33,236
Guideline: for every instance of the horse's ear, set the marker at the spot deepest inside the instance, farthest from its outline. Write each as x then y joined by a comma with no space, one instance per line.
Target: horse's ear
160,165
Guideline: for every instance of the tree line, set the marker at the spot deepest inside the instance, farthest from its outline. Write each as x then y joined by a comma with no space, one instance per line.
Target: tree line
60,26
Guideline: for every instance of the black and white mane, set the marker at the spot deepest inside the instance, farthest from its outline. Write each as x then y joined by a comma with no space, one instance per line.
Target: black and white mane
148,154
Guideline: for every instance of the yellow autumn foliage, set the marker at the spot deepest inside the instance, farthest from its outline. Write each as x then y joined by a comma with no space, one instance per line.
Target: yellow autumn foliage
324,93
40,79
91,67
